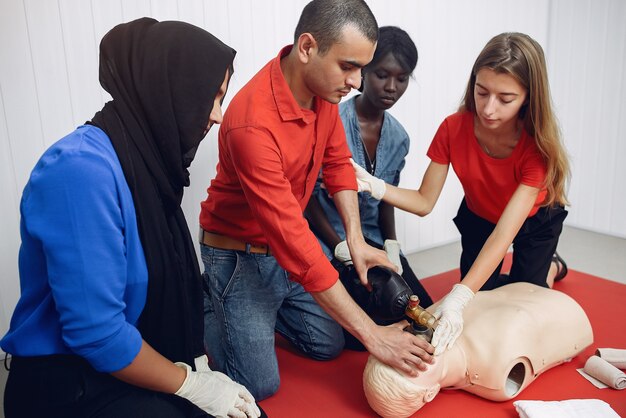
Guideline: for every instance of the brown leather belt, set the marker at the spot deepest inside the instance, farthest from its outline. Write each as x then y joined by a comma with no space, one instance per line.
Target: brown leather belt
226,243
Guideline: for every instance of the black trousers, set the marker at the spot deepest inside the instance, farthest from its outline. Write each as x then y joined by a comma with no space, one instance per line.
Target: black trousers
359,293
533,246
66,386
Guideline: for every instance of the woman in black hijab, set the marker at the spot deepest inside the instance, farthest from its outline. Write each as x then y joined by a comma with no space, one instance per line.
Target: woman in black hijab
110,319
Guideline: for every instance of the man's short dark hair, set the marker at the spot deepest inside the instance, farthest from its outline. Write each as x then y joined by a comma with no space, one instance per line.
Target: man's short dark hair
325,20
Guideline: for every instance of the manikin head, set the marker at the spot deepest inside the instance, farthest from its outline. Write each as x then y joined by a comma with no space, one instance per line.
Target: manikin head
393,394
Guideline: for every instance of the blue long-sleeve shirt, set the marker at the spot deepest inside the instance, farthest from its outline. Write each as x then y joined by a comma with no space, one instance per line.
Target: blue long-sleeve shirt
83,274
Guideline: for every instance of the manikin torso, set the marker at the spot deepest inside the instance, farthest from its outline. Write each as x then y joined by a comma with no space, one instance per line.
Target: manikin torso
511,335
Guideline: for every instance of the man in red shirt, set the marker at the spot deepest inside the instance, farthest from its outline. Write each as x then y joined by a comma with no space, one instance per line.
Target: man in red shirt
265,269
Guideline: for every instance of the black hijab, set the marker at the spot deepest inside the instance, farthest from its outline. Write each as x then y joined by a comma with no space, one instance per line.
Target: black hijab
163,77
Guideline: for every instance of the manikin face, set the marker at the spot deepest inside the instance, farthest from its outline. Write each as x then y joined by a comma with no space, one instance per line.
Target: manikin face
393,394
331,76
385,82
498,98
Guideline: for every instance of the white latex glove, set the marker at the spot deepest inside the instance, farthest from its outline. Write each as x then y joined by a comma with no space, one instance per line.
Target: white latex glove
216,394
368,183
202,363
392,248
450,316
342,253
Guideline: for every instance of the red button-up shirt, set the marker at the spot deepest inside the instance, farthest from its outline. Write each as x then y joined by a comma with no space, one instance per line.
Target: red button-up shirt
270,154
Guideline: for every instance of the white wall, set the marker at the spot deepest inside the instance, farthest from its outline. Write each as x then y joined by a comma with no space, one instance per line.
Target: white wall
49,85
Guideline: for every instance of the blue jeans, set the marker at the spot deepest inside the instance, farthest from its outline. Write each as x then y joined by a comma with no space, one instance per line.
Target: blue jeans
250,297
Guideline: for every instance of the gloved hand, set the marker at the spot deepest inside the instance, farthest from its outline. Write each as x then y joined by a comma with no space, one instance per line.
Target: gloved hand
450,316
202,363
368,183
342,253
392,248
216,394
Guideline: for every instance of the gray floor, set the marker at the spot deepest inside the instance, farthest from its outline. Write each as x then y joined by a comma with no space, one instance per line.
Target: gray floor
585,251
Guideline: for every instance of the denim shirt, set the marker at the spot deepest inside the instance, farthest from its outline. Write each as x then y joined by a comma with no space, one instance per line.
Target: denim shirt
391,151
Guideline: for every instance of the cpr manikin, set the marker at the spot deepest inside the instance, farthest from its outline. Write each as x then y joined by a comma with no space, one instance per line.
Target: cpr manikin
511,335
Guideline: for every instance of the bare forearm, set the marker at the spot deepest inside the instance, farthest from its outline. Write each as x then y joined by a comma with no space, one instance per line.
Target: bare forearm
150,370
341,307
408,200
422,201
498,243
348,208
490,256
391,345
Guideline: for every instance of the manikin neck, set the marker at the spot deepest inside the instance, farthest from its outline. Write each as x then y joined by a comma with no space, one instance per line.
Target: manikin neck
454,364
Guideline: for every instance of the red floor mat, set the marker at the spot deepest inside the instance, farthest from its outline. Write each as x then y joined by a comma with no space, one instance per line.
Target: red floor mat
334,389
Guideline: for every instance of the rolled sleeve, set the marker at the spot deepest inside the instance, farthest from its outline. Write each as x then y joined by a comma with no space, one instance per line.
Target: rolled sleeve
320,276
339,177
117,351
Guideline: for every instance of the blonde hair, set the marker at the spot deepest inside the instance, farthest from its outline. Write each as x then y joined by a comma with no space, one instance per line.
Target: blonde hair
520,56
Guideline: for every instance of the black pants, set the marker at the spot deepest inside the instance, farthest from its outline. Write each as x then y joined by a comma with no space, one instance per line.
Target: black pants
533,246
359,293
65,386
